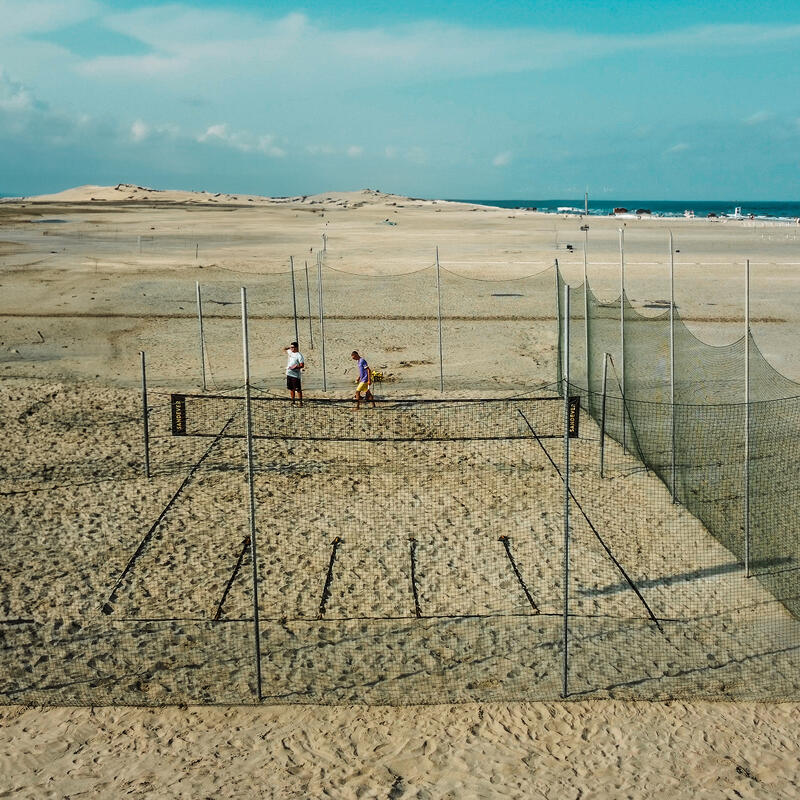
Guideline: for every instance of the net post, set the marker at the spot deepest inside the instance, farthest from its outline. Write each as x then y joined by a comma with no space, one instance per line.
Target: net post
251,491
439,315
585,229
622,329
673,488
747,418
565,666
308,301
322,321
294,301
202,338
603,415
559,371
145,420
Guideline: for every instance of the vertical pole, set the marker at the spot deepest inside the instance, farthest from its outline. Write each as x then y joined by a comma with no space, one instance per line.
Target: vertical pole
146,422
747,419
308,301
565,673
586,202
559,370
586,309
672,363
251,491
321,321
202,338
603,415
294,301
622,329
439,314
324,243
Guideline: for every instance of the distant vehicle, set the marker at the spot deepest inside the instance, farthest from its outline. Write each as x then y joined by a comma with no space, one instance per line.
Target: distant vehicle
689,214
737,213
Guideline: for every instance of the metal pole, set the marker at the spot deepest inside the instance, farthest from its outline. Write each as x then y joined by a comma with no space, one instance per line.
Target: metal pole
603,415
202,338
321,321
145,415
672,363
308,300
559,365
622,328
250,482
564,691
747,419
439,314
586,308
294,301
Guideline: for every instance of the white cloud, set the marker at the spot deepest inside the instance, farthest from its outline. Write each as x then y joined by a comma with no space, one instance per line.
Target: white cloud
40,16
355,151
390,151
502,159
244,141
139,131
680,147
759,117
320,149
190,42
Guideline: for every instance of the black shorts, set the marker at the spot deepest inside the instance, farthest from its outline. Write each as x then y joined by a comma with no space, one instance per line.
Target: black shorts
293,383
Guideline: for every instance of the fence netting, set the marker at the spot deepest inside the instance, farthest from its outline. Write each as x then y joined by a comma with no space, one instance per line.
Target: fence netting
413,552
408,553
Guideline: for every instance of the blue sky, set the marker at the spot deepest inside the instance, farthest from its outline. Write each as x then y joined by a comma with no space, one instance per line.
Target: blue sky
528,100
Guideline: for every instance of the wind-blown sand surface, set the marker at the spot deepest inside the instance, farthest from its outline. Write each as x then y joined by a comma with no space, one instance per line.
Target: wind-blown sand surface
81,293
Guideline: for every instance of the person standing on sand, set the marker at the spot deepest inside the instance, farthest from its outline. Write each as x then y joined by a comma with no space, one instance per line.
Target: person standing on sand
364,380
293,367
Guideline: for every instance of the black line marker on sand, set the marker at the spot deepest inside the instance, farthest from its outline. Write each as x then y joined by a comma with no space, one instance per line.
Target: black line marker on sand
505,540
593,529
326,591
417,609
245,548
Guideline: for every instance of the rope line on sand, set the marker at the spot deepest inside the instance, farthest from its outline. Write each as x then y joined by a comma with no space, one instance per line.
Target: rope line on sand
417,609
237,566
107,607
505,540
593,529
326,591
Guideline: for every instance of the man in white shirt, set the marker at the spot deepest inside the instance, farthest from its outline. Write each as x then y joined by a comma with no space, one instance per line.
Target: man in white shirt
293,367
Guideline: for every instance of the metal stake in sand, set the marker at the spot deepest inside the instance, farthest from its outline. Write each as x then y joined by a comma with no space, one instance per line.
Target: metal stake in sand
250,486
672,364
622,326
294,300
202,338
747,419
439,315
603,414
322,321
145,420
566,491
308,301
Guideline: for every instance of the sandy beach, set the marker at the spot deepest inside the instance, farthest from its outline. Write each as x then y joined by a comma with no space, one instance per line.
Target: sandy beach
91,277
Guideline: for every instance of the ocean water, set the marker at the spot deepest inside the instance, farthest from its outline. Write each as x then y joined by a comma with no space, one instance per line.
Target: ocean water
772,209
